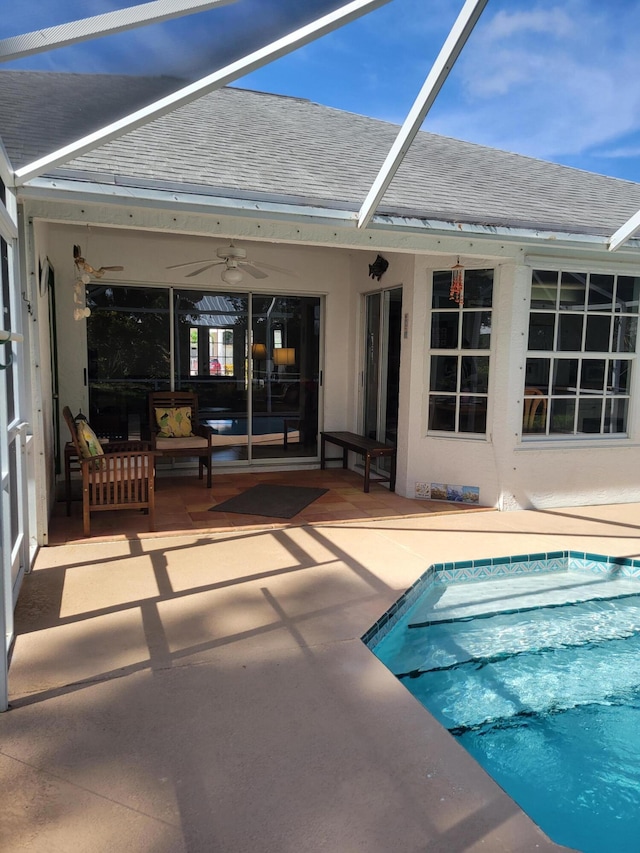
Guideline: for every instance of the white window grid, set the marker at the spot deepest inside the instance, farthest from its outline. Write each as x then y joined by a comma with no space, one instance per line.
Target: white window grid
462,399
610,403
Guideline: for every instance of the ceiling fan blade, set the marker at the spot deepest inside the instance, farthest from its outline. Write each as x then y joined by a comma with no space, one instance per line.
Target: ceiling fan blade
112,269
252,269
276,269
201,269
189,263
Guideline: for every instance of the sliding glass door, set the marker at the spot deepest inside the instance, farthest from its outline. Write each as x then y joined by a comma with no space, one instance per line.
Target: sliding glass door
253,360
285,361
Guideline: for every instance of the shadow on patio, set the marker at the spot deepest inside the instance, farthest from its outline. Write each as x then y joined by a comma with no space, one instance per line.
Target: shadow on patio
210,692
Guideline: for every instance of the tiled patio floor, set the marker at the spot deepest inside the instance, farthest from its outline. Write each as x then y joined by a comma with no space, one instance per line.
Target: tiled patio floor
183,505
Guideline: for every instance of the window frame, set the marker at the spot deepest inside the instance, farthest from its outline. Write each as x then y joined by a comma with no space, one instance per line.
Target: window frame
462,354
543,400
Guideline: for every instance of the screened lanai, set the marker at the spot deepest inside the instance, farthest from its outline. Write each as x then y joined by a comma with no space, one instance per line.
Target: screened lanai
225,42
85,163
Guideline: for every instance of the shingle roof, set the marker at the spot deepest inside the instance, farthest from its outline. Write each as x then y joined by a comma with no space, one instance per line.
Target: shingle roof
41,111
246,143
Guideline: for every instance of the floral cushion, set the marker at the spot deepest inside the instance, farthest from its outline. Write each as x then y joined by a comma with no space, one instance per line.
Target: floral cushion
174,423
90,446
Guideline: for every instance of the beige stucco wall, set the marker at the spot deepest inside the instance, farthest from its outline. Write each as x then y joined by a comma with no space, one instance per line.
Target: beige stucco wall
145,256
509,471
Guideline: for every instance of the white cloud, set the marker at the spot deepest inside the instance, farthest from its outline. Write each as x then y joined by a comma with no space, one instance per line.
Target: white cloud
548,81
507,24
624,152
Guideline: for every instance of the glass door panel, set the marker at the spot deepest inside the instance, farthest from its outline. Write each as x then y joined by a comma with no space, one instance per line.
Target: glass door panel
383,322
285,357
128,356
210,356
372,365
393,330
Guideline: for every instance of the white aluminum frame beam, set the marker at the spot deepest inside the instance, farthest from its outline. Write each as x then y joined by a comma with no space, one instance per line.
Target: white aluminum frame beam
14,337
625,232
278,48
460,32
96,26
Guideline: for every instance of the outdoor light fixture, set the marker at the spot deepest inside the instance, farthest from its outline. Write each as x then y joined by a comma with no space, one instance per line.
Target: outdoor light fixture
284,356
378,268
79,297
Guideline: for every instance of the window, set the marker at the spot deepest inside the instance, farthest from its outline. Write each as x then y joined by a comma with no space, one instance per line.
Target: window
460,344
216,358
581,349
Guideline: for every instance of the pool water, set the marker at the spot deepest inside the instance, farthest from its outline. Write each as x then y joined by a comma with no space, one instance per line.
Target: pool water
546,698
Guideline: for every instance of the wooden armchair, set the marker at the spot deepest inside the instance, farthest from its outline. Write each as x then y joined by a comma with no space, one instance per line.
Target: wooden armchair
175,430
534,404
121,478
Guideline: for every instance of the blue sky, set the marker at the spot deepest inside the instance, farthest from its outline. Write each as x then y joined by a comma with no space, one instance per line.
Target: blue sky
552,79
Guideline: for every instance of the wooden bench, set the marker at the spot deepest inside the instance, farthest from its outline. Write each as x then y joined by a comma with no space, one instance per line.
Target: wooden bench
367,447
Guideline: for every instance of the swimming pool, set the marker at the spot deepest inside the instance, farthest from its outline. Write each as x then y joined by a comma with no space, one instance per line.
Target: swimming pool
533,664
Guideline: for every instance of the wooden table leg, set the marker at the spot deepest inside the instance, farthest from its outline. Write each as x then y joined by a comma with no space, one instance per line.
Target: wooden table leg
67,477
367,470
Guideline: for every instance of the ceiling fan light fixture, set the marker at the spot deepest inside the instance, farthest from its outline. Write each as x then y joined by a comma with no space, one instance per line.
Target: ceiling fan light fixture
232,253
232,275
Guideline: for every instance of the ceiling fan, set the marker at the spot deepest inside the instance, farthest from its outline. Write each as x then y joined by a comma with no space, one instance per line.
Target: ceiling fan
235,262
87,269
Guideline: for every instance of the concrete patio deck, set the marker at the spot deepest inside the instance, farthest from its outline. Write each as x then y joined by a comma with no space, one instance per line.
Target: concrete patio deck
209,692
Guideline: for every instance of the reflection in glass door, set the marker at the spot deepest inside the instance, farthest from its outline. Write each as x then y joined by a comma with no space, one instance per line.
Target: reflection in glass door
252,360
210,358
285,356
383,322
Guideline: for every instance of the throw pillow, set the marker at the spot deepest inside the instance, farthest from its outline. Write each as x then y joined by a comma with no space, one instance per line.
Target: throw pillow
90,446
174,423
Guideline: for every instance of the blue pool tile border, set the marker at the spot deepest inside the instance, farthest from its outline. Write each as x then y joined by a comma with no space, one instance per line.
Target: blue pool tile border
466,571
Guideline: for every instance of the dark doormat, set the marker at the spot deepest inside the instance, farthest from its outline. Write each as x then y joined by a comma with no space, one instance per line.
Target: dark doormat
270,500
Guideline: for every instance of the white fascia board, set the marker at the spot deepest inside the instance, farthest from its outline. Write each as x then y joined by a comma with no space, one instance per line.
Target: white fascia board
73,193
499,232
625,232
14,337
228,74
6,170
443,64
76,193
8,218
627,262
8,228
84,29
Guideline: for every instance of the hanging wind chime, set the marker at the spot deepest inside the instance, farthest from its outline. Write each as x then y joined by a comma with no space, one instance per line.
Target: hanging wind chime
456,293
